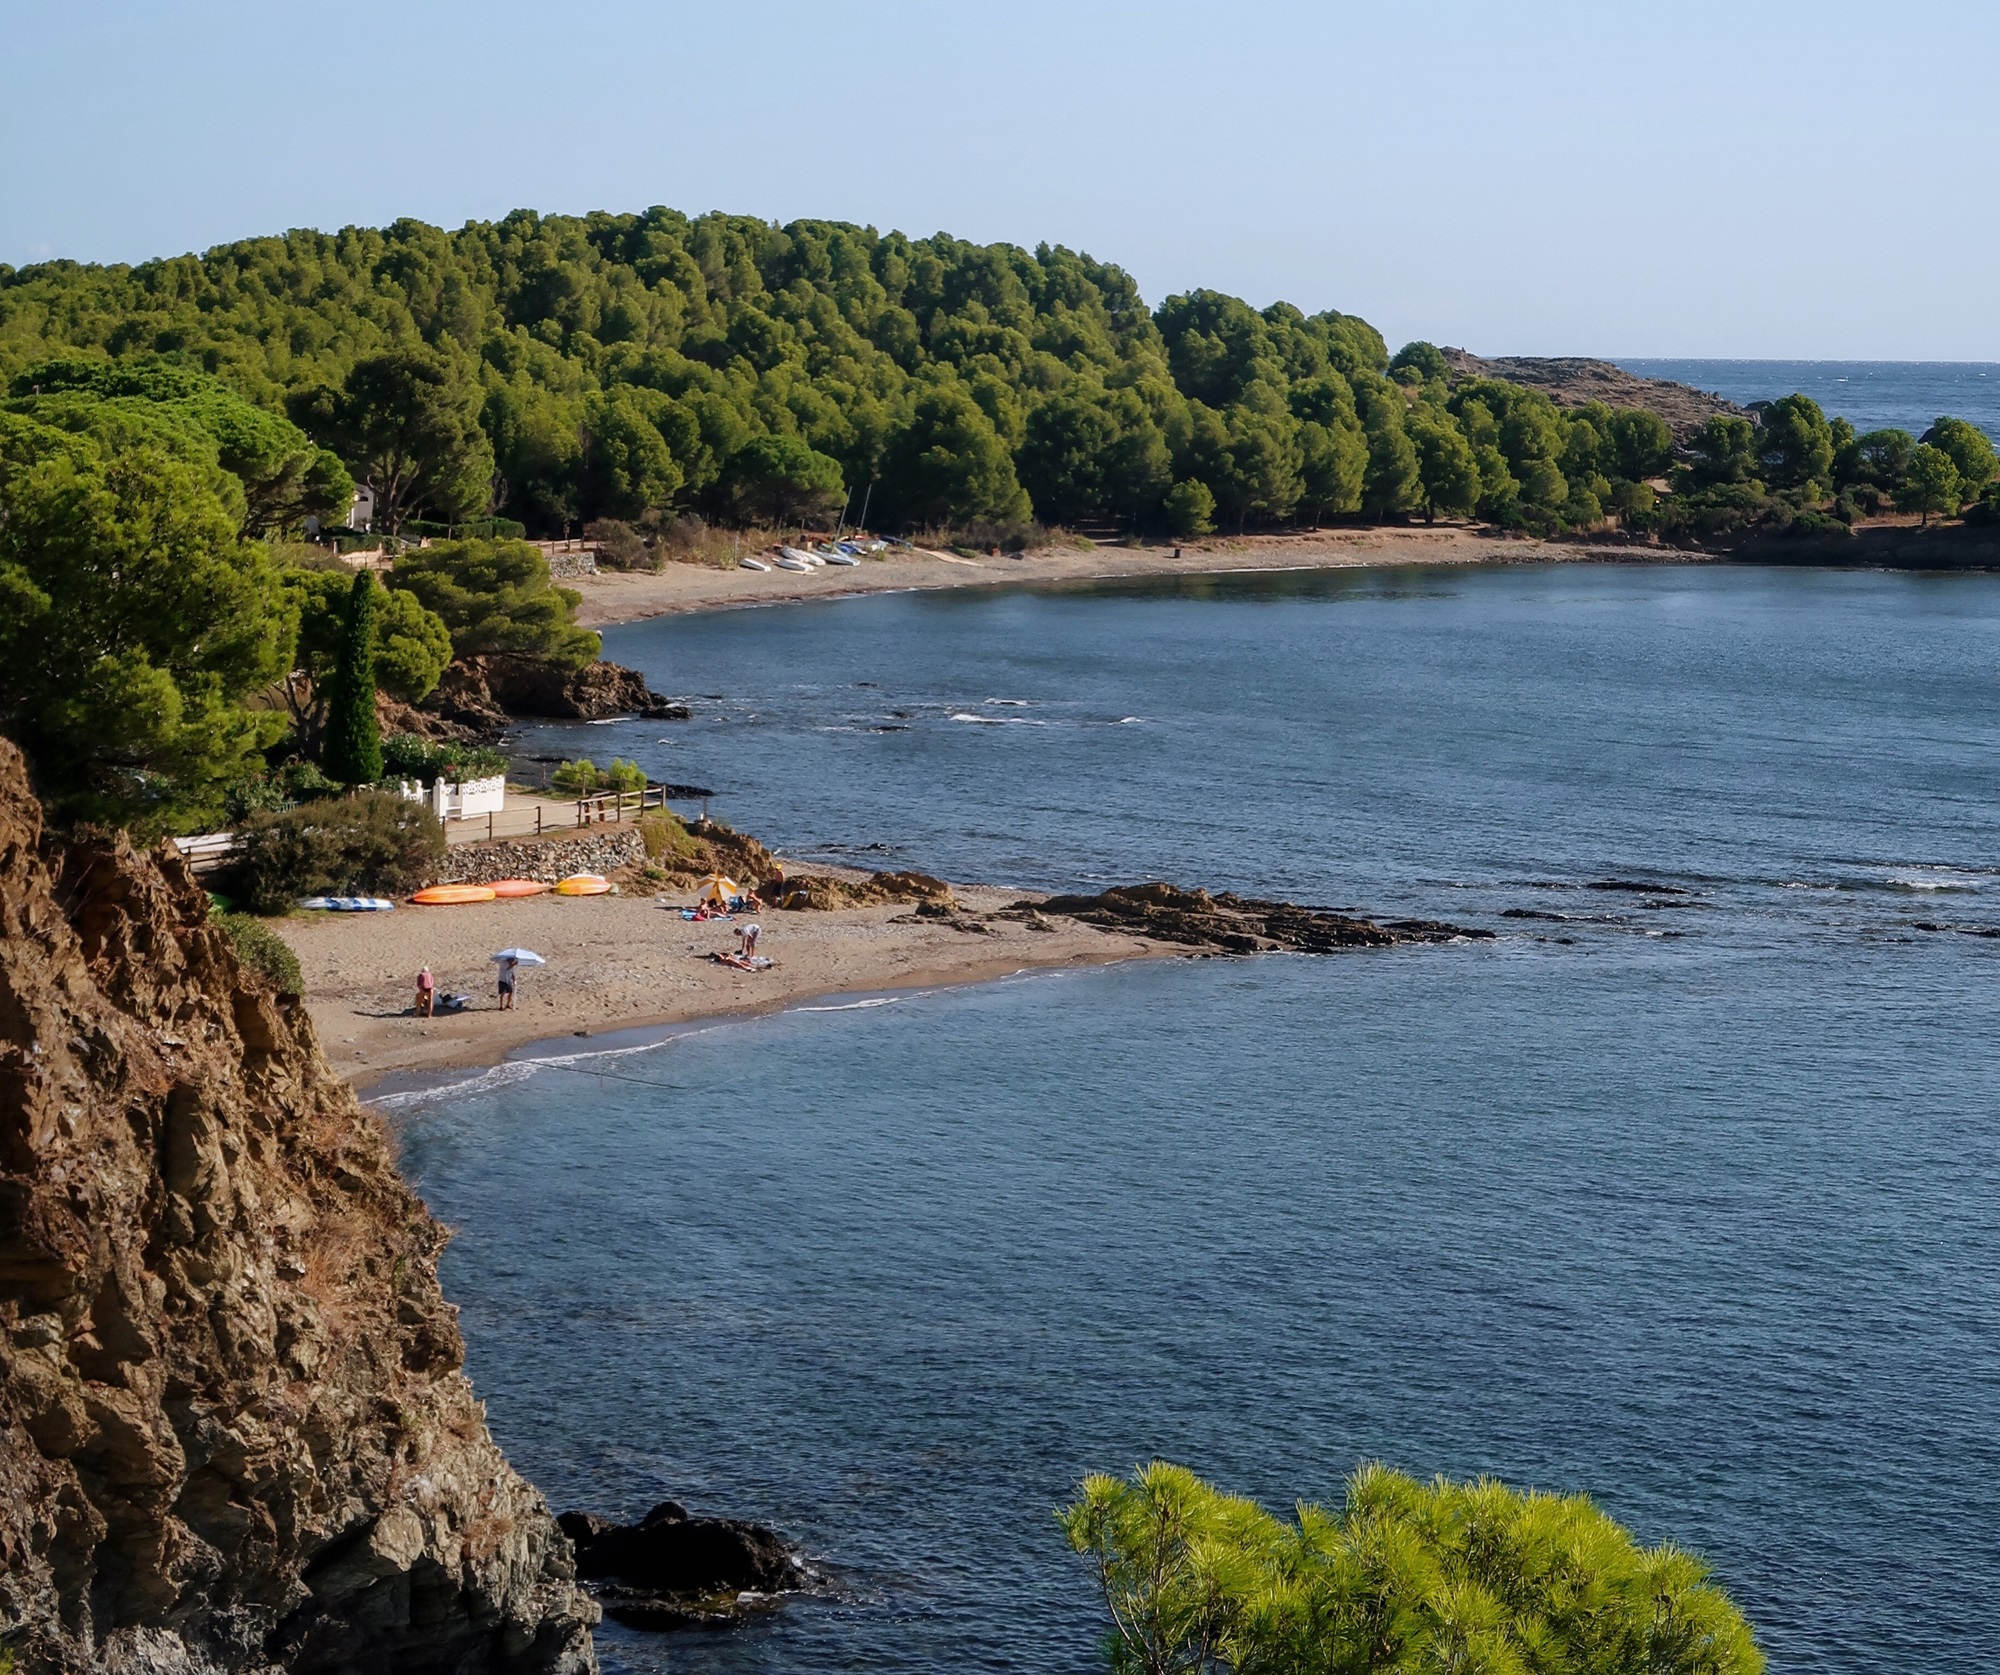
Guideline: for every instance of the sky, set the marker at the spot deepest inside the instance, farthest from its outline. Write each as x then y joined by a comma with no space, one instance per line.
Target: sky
1756,178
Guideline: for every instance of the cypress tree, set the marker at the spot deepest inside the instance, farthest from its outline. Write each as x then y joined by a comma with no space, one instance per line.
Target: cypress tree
353,753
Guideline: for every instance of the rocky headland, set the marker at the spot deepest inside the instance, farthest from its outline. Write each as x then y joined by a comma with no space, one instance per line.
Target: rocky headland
234,1432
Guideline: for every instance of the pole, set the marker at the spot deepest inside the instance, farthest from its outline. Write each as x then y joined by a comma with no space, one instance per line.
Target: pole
870,495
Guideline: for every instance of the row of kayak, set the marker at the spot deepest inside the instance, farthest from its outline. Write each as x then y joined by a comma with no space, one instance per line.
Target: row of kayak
844,553
462,895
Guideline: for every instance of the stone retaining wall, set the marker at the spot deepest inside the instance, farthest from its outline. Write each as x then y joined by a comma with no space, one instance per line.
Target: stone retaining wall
549,859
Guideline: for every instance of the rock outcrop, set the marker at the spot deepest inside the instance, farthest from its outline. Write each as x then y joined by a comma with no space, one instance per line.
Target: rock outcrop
822,893
1230,924
675,1570
1574,382
234,1433
482,693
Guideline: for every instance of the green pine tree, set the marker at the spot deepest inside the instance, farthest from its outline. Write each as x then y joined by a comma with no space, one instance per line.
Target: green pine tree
353,753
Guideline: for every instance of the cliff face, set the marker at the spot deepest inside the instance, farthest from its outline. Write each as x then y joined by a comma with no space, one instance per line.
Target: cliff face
233,1430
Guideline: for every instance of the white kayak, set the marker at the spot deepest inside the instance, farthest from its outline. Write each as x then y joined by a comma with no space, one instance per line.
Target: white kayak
840,558
746,562
349,904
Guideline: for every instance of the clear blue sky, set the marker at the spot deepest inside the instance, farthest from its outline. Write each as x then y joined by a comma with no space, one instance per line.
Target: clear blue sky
1750,178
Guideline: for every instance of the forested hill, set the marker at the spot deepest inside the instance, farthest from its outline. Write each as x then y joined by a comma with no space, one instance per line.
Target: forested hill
617,362
609,365
555,370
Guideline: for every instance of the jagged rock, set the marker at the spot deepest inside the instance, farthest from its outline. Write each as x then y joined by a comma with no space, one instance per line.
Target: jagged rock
1232,924
482,692
234,1434
674,1570
817,892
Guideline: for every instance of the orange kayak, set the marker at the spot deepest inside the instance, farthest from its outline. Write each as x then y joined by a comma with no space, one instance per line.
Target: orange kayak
453,895
583,884
508,887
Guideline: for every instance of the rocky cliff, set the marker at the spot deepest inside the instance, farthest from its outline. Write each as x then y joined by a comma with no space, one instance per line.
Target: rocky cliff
234,1435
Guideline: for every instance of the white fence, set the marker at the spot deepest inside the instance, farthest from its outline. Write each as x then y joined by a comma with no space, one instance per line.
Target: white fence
463,801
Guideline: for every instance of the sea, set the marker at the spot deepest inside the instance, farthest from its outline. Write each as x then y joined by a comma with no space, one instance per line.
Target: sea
1682,1192
1871,395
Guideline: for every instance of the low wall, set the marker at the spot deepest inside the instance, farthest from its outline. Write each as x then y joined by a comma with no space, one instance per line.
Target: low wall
548,859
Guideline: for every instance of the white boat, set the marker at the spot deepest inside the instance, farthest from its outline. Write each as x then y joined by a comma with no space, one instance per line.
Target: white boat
349,904
812,561
840,558
788,560
746,562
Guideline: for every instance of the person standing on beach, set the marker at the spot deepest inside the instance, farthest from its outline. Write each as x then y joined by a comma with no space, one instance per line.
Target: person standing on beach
426,993
747,935
507,969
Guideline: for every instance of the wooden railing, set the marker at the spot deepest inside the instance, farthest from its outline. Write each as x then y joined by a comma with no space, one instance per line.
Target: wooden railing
611,805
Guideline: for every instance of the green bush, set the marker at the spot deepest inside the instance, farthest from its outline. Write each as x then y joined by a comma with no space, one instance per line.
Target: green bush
1407,1576
624,776
372,843
412,756
578,778
263,951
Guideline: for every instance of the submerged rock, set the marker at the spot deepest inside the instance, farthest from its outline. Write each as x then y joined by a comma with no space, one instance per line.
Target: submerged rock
675,1570
1232,924
234,1433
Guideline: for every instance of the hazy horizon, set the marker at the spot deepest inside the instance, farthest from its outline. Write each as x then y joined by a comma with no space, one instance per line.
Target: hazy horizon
1548,181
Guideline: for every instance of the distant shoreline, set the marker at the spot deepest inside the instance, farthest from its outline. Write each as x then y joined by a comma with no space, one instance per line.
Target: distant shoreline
611,598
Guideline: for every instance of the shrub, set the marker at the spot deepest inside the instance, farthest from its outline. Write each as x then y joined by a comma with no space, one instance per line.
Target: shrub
263,951
578,778
412,756
1406,1576
666,839
624,776
373,842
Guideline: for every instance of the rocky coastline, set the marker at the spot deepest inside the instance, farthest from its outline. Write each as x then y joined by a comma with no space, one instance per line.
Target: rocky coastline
234,1432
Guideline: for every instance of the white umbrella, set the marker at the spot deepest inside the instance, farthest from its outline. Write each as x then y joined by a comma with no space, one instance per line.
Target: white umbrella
520,956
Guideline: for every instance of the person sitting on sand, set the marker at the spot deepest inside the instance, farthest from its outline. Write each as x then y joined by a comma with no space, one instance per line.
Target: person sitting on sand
507,970
426,993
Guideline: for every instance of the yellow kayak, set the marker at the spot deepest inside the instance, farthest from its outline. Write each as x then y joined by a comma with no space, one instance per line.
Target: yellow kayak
584,884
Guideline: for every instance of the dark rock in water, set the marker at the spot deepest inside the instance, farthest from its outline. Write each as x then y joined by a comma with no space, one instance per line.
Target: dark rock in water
482,692
674,1570
1232,924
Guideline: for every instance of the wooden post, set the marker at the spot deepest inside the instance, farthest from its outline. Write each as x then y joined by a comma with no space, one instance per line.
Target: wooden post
489,825
538,819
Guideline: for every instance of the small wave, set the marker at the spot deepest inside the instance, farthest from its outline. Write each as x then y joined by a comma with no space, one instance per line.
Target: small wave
1009,703
853,1005
1128,721
512,1072
997,720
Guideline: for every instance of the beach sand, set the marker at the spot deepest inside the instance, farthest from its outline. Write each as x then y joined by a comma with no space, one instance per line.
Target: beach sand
619,962
624,596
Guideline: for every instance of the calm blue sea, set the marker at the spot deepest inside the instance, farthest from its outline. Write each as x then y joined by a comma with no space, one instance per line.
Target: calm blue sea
1684,1192
1871,395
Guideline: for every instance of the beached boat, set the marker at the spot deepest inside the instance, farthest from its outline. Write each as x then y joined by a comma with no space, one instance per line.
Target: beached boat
746,562
584,884
837,557
510,888
788,560
348,904
812,561
453,895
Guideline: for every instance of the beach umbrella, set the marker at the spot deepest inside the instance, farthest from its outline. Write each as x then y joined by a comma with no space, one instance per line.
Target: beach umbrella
520,956
715,888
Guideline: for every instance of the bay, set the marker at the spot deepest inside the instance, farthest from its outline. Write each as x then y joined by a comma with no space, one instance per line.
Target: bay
1681,1192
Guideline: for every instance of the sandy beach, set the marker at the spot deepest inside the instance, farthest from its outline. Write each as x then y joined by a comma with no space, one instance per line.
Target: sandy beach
619,962
625,596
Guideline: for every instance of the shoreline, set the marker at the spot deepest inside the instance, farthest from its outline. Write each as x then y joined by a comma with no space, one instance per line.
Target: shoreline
612,598
623,963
